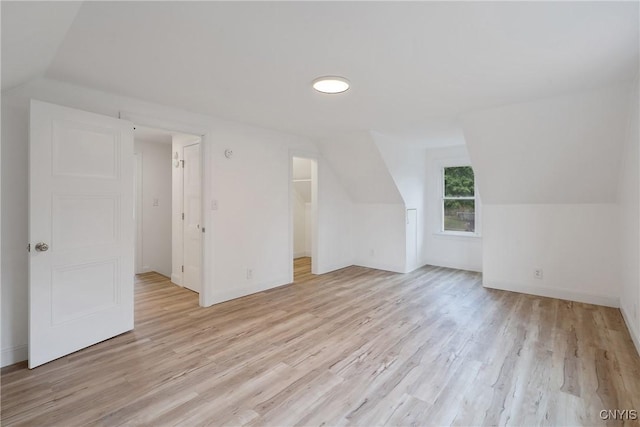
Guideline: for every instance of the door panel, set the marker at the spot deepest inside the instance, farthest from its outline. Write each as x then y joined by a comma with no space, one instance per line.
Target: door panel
192,213
81,194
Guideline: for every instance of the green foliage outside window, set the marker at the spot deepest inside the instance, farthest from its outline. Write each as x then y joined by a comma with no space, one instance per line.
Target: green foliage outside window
459,199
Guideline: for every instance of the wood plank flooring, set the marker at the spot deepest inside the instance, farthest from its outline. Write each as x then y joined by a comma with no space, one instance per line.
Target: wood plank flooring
302,269
354,347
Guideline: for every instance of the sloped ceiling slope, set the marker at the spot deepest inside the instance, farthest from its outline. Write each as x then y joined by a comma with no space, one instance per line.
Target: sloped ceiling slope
407,166
31,35
564,149
360,168
254,61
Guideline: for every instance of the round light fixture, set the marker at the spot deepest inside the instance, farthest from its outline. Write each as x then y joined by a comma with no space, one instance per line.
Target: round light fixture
331,84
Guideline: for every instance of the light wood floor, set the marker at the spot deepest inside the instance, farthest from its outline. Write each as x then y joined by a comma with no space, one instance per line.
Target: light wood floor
353,347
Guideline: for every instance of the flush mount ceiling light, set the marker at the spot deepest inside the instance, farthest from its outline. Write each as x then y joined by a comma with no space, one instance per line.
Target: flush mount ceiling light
331,84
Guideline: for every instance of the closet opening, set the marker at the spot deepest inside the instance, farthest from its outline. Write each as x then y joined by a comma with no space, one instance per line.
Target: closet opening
304,199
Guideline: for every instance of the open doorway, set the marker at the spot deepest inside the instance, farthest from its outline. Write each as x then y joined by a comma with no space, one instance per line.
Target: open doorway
167,205
303,205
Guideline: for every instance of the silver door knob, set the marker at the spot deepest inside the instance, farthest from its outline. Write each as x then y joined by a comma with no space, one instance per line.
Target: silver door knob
42,247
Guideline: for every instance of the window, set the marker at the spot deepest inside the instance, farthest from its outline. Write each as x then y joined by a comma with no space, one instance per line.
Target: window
458,200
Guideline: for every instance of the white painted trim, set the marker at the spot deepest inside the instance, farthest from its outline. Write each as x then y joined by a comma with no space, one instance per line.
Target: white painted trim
243,291
456,266
420,265
559,293
458,234
13,355
145,269
452,162
176,279
635,335
380,266
334,267
138,236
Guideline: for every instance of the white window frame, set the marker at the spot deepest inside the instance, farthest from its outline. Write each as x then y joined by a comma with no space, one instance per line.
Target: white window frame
475,198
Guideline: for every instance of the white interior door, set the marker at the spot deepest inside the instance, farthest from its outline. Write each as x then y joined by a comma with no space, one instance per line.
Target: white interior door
137,212
80,230
192,212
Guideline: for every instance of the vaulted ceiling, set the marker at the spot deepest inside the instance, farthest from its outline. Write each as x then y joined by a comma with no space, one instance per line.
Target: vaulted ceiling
414,66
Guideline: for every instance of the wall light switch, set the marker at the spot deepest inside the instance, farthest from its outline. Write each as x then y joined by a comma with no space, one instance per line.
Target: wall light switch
156,202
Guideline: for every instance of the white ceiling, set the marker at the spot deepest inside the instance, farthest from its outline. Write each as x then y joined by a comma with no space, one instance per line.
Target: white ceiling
413,65
31,34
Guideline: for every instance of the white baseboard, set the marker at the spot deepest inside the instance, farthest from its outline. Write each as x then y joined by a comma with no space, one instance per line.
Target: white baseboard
418,266
13,355
635,335
243,291
332,267
176,279
559,293
454,265
380,266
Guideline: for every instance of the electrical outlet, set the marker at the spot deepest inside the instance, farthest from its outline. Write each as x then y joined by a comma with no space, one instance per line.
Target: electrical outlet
214,205
372,252
249,273
156,201
537,273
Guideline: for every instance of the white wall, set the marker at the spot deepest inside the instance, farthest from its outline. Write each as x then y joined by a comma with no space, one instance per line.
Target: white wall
463,252
302,215
548,172
250,228
416,172
360,168
575,245
156,206
408,168
308,230
378,225
335,235
629,222
14,233
299,226
379,236
565,149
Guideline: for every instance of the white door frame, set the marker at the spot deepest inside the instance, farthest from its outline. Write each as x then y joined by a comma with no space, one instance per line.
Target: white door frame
206,141
137,203
314,208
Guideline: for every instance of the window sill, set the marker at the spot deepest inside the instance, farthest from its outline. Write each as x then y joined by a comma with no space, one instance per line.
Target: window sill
457,234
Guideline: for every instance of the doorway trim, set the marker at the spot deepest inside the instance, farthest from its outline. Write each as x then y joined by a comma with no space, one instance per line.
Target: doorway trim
137,203
314,208
206,141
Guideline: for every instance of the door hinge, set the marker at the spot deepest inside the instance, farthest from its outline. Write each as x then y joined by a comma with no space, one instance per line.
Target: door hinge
183,216
183,268
29,247
203,229
182,163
